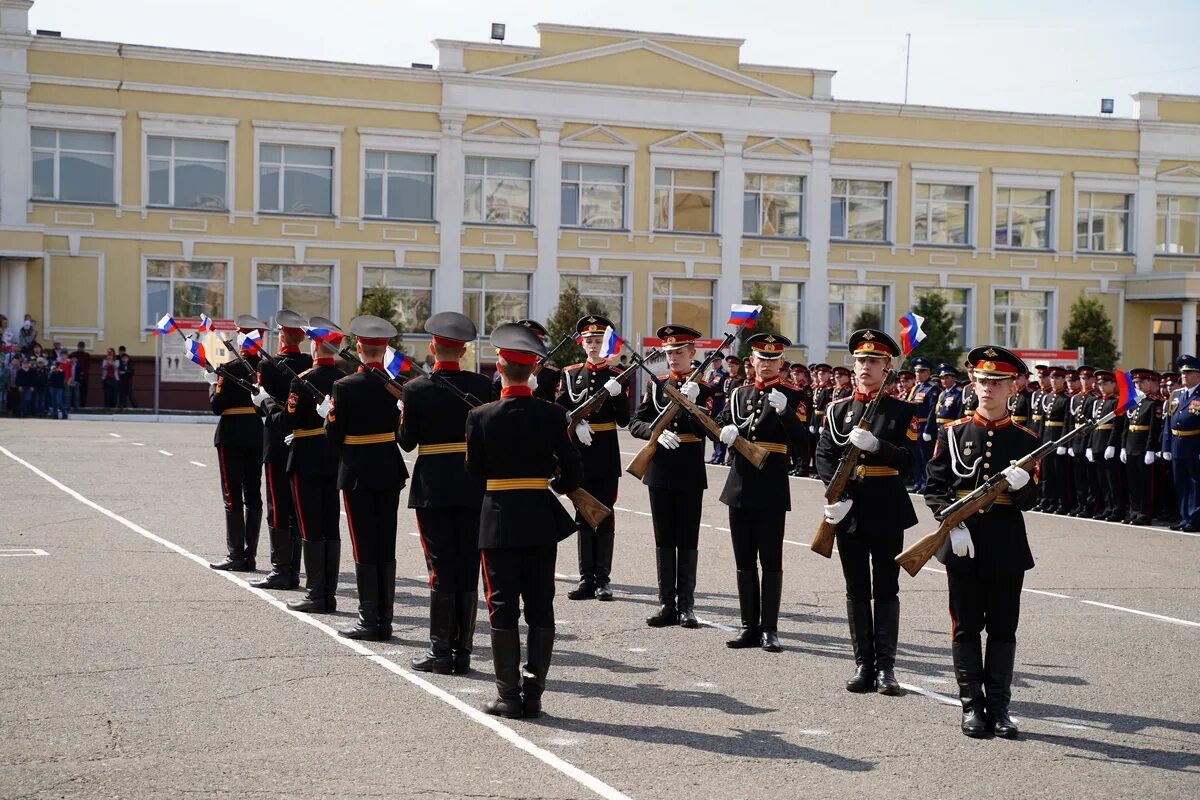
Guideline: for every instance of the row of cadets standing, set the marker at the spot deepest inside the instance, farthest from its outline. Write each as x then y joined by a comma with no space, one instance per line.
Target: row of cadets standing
1053,407
1180,443
872,519
733,379
924,395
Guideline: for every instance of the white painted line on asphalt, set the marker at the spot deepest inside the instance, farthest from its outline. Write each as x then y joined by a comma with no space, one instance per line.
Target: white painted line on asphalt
137,444
198,464
20,552
1049,594
1175,620
632,511
941,698
504,731
719,626
115,435
637,649
165,453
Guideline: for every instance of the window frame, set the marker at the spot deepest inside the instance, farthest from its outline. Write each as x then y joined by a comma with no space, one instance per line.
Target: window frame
1051,314
705,161
391,141
773,172
1031,179
1105,183
797,336
885,172
334,282
1192,192
673,276
968,312
361,285
947,175
715,213
299,135
144,280
626,195
481,323
85,119
626,278
889,293
181,126
601,154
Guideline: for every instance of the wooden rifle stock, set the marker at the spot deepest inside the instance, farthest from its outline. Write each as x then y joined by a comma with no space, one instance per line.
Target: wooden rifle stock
750,451
592,510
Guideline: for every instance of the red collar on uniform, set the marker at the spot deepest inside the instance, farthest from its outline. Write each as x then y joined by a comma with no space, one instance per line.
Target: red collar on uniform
288,348
991,425
516,391
447,366
758,383
864,397
324,362
680,377
596,367
370,364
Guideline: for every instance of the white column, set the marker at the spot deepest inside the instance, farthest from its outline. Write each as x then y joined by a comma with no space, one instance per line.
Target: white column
17,298
548,210
14,111
1145,209
816,291
729,198
4,289
447,282
1189,308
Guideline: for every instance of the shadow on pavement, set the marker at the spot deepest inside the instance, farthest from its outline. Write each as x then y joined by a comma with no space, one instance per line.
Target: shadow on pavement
646,694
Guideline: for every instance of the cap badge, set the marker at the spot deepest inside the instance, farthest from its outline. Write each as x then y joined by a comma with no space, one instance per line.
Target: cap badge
868,336
990,352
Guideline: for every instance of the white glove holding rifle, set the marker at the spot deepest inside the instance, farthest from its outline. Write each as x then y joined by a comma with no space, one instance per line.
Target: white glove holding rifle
961,543
690,390
729,434
211,377
864,440
259,397
1016,476
583,433
837,512
669,440
324,408
613,387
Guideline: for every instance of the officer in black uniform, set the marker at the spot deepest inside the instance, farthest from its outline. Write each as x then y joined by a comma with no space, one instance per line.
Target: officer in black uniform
949,403
676,478
445,498
275,384
1139,450
873,516
545,382
1055,404
312,466
239,442
1106,441
772,416
1018,404
732,380
1087,482
519,447
990,554
596,438
362,420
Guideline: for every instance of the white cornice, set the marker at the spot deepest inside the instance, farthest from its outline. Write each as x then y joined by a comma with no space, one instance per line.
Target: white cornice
487,47
979,115
801,71
554,27
939,144
1170,98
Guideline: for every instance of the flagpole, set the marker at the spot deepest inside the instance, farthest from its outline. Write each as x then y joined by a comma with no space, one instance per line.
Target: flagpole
158,362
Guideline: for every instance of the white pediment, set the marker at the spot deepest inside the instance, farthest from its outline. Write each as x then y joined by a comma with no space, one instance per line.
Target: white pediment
776,148
685,142
1186,172
598,136
500,129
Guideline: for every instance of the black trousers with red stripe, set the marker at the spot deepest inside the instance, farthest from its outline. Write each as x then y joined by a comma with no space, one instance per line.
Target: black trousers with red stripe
281,511
1140,476
371,517
757,537
241,478
981,600
675,514
515,574
317,510
450,539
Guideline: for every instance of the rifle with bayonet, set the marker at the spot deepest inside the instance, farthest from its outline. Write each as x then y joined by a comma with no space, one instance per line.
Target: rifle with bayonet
822,543
953,515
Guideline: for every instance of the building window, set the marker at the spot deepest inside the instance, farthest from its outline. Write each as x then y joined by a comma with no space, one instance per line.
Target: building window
72,166
682,301
684,200
187,173
1178,224
859,210
399,185
1102,222
606,291
414,293
498,190
295,180
942,214
1023,218
306,289
853,307
593,196
958,302
773,205
184,289
785,298
490,298
1021,319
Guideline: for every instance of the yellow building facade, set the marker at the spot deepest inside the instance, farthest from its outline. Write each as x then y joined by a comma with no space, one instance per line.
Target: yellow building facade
658,173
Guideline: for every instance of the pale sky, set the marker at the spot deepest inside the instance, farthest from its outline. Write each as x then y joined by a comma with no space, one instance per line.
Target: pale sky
1056,56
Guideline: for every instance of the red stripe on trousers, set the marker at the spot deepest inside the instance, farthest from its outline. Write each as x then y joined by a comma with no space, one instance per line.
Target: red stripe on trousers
274,521
224,478
425,548
296,501
487,586
350,523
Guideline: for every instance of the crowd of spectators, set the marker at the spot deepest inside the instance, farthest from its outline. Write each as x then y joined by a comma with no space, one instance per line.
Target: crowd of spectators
40,382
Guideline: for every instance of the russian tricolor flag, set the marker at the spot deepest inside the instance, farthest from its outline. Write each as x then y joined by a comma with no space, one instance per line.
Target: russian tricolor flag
911,333
1126,392
165,326
195,352
323,335
611,344
206,323
396,362
251,342
745,315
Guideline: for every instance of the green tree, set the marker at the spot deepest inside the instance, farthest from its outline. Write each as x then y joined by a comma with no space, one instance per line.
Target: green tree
766,318
1091,329
941,345
867,318
562,323
381,301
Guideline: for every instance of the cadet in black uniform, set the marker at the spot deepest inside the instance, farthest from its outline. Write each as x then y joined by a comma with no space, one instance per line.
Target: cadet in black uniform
970,400
446,499
1106,440
519,447
545,382
312,466
990,553
1143,436
872,519
1018,404
275,384
1087,478
362,420
1055,404
677,479
239,441
924,396
773,417
949,403
732,380
596,438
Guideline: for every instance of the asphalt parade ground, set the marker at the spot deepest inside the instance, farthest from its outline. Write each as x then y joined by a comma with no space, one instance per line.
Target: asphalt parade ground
129,669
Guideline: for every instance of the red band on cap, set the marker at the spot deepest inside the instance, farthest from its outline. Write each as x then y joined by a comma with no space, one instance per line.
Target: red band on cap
442,341
372,341
292,331
518,356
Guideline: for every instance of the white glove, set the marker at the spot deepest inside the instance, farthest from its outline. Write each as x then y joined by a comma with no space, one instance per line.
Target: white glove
669,440
1124,456
729,434
1166,454
864,440
927,437
691,390
400,405
291,437
583,433
259,397
613,387
1016,477
211,377
1090,457
777,400
960,542
812,429
1109,452
1071,452
837,512
1149,459
1060,451
325,406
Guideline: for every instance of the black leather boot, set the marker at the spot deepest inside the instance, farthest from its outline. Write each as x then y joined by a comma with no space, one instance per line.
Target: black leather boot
887,630
235,543
387,598
440,658
367,627
297,551
605,542
968,670
687,589
772,593
749,604
280,575
533,684
506,658
253,526
586,590
664,559
315,600
333,571
466,608
862,640
998,672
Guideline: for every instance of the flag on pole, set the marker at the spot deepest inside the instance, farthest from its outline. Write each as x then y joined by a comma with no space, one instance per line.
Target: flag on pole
1126,392
195,352
206,323
251,342
911,333
323,335
744,314
611,344
396,362
165,326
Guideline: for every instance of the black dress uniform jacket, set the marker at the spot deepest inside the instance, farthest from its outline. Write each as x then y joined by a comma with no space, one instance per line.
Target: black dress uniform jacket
435,422
1018,406
782,434
682,468
278,385
602,458
363,408
1143,430
240,424
1110,433
311,451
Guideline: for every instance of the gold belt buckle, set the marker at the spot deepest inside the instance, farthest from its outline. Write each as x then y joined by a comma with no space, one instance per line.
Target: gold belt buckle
860,471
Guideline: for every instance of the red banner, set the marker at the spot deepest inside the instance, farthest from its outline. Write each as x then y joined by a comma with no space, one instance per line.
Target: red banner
701,344
189,324
1053,358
